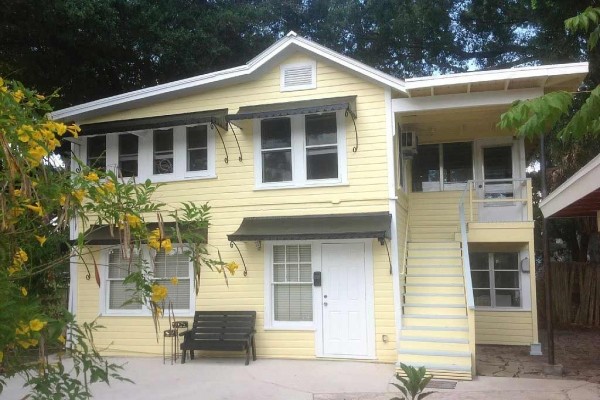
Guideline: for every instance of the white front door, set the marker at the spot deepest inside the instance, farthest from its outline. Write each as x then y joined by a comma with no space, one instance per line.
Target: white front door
344,302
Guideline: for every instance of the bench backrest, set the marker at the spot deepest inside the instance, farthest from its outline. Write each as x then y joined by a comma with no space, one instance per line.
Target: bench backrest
223,325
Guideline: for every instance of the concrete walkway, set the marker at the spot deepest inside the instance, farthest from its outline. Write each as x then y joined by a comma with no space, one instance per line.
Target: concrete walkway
216,379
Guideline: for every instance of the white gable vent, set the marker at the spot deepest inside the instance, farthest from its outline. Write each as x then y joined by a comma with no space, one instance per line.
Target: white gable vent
299,76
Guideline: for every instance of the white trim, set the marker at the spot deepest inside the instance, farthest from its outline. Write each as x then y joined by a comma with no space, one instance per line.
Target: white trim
283,68
464,100
582,183
298,133
390,120
498,75
236,74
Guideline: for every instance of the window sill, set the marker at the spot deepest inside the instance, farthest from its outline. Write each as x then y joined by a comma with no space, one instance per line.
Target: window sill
290,328
503,309
182,314
286,185
166,178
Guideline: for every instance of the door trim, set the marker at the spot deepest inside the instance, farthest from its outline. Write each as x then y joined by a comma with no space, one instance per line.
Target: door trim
369,301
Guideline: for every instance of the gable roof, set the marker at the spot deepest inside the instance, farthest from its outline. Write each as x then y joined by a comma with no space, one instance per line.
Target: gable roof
165,91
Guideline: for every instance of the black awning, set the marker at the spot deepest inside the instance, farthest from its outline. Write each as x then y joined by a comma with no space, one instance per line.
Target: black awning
296,107
216,117
100,234
311,227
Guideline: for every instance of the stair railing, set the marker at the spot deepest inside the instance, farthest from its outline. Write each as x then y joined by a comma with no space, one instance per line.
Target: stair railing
467,273
404,270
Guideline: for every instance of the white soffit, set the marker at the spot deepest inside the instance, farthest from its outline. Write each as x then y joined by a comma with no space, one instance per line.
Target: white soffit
584,182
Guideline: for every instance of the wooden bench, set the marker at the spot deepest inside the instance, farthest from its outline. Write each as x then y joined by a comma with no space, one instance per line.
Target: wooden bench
220,331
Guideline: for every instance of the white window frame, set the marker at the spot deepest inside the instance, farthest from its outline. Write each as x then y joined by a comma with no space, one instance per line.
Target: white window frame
284,67
524,283
144,311
146,155
270,323
299,179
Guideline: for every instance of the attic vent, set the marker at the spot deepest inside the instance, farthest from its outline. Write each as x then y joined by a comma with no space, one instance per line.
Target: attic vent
298,76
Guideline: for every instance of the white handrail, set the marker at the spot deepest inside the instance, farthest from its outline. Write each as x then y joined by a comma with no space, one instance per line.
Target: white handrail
465,253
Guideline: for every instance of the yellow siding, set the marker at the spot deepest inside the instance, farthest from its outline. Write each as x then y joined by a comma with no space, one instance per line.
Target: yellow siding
233,197
504,327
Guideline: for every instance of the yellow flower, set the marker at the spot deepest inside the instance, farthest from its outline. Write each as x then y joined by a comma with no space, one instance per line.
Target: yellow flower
79,194
37,325
24,132
37,153
22,330
133,220
37,208
159,292
13,270
20,256
166,245
40,97
92,177
74,130
232,267
174,280
18,95
41,239
23,291
16,211
61,339
62,200
24,343
109,186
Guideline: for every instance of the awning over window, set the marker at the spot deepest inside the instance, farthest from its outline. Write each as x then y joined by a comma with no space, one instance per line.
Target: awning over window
100,235
311,227
216,117
296,107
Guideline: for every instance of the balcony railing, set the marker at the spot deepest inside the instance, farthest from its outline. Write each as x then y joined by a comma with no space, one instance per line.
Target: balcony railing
498,200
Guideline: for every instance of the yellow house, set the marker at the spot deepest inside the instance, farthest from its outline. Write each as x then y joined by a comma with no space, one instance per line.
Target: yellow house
380,219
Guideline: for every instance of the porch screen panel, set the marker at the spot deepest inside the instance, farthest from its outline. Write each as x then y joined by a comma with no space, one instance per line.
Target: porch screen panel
458,162
292,283
426,168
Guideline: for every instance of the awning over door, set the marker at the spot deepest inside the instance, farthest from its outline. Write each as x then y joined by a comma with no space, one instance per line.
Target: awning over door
216,117
296,107
312,227
100,234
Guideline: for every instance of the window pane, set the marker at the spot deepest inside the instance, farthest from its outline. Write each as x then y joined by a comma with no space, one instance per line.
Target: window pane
506,279
479,261
458,162
119,294
197,160
481,279
292,302
128,155
178,295
96,152
305,273
279,273
305,251
197,136
506,261
508,298
426,168
128,167
482,298
497,162
321,163
163,151
276,133
277,166
291,253
279,254
128,144
321,129
292,273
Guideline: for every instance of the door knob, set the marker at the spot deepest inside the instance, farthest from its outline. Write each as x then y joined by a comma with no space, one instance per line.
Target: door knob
324,296
325,304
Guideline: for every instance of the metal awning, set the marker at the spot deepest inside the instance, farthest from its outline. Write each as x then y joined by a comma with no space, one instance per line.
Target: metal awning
216,117
100,234
311,227
347,103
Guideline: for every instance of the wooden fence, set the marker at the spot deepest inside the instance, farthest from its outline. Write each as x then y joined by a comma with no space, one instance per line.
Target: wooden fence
576,293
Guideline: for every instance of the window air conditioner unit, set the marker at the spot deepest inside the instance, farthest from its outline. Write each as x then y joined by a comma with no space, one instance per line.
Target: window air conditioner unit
408,144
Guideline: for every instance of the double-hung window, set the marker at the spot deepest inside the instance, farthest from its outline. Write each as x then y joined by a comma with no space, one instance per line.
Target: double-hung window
300,150
173,270
128,154
291,285
496,279
163,151
196,138
446,166
96,152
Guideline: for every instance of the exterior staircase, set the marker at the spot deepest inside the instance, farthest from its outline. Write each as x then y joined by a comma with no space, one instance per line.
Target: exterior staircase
435,326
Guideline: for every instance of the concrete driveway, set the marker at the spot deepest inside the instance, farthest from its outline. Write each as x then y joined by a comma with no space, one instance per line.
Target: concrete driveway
215,379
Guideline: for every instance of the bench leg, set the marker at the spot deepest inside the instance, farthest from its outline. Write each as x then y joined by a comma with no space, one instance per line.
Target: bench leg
253,350
192,354
183,356
247,354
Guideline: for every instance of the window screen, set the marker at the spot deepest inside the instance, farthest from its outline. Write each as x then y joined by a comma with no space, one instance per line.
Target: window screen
321,146
292,283
118,291
276,149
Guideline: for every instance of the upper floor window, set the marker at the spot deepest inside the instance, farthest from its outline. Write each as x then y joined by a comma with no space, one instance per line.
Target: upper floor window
128,155
161,155
96,152
163,151
301,150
